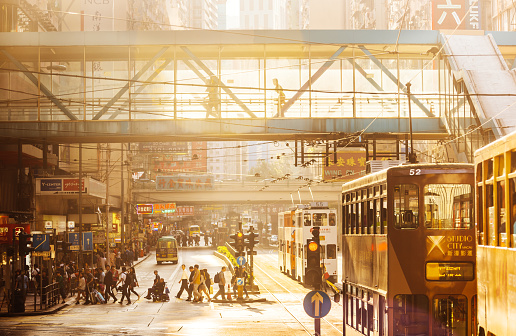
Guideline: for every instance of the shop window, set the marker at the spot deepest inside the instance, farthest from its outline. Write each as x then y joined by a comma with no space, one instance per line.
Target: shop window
406,206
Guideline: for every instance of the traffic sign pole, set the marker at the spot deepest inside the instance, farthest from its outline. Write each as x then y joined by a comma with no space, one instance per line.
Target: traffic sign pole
317,325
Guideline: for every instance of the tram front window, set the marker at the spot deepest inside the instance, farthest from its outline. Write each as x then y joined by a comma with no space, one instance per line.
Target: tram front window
320,219
410,315
448,206
307,219
406,206
450,315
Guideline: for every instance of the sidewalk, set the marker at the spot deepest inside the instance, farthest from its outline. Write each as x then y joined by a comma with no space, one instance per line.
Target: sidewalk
29,302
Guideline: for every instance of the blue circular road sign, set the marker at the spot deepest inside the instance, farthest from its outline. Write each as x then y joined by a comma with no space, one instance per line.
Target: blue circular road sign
317,304
241,261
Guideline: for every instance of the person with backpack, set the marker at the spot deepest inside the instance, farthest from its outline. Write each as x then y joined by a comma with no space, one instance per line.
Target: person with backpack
219,279
125,285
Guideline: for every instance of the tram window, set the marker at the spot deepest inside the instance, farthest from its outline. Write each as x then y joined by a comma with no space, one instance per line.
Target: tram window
307,219
450,315
331,252
512,227
323,252
490,228
370,217
489,169
333,219
378,217
410,314
480,213
363,218
448,206
479,172
502,232
513,161
406,206
320,219
384,215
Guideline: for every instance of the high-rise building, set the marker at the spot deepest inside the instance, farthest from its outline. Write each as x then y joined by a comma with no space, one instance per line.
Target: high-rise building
263,14
197,14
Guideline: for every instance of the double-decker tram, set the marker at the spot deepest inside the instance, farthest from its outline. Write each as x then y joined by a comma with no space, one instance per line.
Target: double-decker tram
317,214
408,250
295,228
287,234
495,168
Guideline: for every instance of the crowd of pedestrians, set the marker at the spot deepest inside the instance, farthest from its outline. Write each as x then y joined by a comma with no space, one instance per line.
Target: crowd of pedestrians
197,283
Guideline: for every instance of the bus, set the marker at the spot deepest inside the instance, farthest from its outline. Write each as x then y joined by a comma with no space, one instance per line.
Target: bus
194,230
166,250
495,172
408,251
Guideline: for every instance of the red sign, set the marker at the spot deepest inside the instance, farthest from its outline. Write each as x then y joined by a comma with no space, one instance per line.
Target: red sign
451,14
72,185
164,208
143,209
349,166
6,231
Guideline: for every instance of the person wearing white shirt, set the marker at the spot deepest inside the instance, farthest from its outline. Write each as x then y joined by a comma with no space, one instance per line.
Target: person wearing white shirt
183,281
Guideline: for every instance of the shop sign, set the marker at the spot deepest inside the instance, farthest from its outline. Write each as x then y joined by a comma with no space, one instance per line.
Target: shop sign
143,209
6,232
190,182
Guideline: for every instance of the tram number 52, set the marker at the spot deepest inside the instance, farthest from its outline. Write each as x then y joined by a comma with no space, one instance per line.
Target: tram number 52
413,172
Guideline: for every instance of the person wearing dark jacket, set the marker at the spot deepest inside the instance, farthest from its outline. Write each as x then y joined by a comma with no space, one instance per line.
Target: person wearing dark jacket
109,283
190,281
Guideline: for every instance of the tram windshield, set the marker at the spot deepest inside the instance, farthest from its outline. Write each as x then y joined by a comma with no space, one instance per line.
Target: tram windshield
320,219
450,315
448,206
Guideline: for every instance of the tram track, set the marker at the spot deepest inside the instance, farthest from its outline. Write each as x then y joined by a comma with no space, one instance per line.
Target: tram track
283,288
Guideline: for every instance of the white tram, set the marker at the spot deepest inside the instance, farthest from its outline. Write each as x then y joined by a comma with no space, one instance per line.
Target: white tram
295,228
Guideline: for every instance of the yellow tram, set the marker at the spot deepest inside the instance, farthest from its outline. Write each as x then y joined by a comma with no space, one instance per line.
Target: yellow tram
495,168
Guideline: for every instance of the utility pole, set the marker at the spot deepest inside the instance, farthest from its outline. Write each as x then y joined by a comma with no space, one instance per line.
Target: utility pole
108,229
122,212
79,206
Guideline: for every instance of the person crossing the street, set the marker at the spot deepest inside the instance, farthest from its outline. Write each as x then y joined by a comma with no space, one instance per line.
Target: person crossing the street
183,281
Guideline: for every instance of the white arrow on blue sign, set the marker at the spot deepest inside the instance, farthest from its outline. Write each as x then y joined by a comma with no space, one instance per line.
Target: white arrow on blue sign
240,261
317,304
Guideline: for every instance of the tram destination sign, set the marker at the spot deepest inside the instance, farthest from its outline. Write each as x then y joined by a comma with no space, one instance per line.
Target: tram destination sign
427,171
449,271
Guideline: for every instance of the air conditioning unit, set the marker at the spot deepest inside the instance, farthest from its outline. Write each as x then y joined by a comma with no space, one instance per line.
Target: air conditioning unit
374,166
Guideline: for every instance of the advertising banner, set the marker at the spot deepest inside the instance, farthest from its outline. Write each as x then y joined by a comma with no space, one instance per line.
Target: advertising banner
349,166
70,186
452,14
190,182
6,232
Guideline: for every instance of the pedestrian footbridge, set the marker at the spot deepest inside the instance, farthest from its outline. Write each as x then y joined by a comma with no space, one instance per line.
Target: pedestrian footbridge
69,87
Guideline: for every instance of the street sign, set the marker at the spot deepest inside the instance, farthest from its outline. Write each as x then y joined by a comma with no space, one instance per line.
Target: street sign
240,281
87,241
73,238
317,304
71,224
48,224
45,254
41,242
241,261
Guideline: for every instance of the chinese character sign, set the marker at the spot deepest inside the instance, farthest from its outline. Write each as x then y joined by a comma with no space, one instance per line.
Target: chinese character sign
451,14
189,182
349,166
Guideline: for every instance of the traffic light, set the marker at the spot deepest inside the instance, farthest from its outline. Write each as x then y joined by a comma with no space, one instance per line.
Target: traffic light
313,272
25,244
238,243
62,246
252,239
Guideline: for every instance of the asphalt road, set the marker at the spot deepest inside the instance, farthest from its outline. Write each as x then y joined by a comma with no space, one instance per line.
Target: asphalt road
178,317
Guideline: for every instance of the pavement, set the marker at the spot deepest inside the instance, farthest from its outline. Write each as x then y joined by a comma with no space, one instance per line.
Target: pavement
56,308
